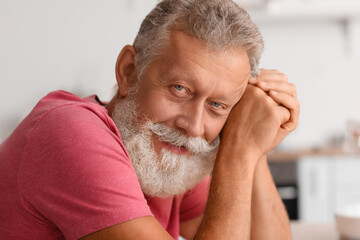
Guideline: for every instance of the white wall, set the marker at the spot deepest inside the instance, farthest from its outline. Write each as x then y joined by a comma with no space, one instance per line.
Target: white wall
314,55
47,45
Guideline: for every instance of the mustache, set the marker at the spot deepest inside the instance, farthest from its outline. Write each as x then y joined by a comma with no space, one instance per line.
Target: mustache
174,137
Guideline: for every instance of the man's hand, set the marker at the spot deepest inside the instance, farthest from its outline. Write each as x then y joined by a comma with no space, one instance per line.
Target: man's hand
255,122
281,91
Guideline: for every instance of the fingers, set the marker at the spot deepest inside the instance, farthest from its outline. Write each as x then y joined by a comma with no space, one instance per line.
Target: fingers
282,92
278,86
273,80
293,106
269,75
284,114
274,102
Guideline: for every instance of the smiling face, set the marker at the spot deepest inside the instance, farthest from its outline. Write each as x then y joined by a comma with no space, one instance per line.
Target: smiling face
170,124
191,89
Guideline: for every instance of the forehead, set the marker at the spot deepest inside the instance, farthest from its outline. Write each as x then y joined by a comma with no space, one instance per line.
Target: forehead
182,46
188,57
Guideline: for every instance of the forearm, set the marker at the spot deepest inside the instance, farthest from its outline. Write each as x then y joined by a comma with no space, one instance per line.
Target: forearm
269,217
228,213
253,126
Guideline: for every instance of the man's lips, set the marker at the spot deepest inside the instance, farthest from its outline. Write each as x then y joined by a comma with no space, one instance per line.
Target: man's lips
175,149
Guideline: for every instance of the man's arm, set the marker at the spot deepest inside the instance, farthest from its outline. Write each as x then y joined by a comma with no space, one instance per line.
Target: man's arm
138,228
269,218
189,228
252,127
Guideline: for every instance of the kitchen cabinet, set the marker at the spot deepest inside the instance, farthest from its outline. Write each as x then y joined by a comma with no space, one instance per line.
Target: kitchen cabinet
327,183
322,180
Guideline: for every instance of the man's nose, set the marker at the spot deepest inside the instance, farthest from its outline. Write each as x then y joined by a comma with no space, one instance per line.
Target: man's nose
191,120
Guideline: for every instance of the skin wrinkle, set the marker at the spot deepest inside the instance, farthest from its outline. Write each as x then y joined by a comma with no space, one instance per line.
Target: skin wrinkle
229,102
214,57
214,90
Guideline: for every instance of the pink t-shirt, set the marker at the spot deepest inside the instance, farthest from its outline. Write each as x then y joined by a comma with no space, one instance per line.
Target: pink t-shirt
64,173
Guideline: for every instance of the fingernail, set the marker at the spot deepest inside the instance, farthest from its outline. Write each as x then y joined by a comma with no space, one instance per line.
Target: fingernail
274,92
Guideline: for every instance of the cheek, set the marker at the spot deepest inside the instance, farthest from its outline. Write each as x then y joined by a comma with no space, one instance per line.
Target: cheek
213,128
156,107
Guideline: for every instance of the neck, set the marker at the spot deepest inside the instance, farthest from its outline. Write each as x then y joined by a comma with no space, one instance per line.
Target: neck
111,105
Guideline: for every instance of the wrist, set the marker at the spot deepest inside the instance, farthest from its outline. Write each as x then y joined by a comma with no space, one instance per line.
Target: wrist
242,153
239,164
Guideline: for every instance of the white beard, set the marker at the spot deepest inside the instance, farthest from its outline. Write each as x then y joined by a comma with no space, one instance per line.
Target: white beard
165,174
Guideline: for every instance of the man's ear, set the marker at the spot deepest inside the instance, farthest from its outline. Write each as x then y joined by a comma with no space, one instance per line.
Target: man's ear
125,70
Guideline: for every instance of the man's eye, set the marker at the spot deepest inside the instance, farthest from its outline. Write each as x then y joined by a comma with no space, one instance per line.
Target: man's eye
179,88
215,104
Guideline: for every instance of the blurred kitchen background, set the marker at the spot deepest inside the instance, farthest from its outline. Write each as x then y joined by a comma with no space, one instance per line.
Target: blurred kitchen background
47,45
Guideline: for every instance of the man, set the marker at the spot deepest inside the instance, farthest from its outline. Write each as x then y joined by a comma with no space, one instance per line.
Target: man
190,102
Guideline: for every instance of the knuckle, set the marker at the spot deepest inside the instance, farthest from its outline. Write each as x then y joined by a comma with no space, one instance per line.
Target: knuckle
273,113
278,116
293,87
269,101
290,127
284,77
257,91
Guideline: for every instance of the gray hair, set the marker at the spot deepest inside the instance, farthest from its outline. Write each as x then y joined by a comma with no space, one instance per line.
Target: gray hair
220,24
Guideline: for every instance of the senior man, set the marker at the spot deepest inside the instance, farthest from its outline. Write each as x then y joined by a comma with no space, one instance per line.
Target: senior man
190,103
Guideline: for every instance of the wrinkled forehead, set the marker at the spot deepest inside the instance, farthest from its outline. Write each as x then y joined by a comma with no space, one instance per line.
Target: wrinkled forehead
178,42
182,46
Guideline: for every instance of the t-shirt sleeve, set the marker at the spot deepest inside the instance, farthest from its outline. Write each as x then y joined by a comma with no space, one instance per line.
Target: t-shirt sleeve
194,201
75,174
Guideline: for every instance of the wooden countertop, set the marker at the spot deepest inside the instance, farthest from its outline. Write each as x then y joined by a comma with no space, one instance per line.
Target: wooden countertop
293,155
314,231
